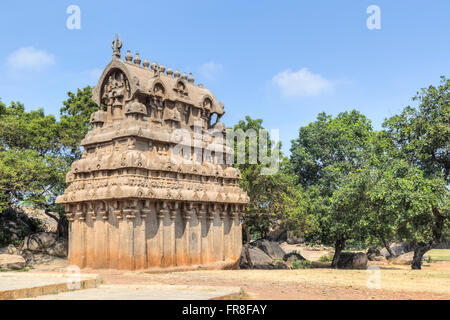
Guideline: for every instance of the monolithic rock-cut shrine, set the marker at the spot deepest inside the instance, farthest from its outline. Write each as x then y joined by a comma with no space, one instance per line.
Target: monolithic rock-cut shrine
134,200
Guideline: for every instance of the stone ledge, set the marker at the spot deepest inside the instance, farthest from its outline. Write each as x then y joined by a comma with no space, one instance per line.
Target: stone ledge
14,285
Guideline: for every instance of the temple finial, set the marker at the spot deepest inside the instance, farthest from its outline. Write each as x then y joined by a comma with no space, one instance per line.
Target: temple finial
116,46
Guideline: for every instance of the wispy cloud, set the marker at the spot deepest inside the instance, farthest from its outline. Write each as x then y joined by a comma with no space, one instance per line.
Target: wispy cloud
29,58
210,70
301,83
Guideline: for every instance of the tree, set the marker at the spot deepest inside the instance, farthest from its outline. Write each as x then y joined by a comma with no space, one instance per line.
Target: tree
75,116
31,170
323,158
422,137
271,196
36,150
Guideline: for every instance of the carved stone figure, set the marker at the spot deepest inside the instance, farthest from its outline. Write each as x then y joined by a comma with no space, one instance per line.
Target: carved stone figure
134,200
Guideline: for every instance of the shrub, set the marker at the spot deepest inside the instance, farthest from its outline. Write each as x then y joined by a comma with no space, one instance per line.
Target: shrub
326,258
302,264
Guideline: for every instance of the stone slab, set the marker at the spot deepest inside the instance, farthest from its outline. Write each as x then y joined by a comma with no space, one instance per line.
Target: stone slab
19,285
150,292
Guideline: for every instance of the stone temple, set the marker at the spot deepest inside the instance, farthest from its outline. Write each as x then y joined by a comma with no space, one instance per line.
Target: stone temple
142,198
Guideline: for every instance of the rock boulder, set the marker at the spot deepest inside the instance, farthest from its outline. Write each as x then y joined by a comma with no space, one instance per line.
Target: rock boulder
271,248
350,260
11,262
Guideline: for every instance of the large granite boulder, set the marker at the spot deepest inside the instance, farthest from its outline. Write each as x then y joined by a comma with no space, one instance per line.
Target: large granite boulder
351,260
39,242
271,248
405,259
11,262
260,259
398,248
58,249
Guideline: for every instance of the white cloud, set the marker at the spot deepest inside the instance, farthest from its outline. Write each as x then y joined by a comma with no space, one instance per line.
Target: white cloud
29,58
210,70
301,83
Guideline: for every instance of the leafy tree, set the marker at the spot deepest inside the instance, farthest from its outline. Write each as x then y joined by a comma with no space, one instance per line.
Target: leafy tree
271,196
75,116
36,150
30,168
323,159
422,137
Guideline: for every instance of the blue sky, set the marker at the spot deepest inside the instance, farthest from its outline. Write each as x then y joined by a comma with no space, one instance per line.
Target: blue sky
282,61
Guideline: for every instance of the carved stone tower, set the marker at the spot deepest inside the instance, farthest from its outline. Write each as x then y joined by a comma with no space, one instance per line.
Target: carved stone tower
141,197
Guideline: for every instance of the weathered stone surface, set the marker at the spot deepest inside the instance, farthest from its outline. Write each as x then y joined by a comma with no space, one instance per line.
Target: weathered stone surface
58,249
154,187
374,257
39,241
11,262
271,248
351,260
42,261
398,248
11,249
259,259
404,259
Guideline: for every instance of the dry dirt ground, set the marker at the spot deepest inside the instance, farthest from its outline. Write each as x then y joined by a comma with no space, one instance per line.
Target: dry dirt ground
310,284
396,281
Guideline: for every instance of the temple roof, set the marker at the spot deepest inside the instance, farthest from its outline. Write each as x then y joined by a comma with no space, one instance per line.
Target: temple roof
154,80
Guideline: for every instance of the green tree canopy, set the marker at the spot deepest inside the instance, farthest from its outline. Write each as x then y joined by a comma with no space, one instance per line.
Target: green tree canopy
325,159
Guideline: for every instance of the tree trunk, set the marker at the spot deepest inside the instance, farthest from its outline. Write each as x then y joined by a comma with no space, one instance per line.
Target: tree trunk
422,248
338,247
419,251
247,246
388,248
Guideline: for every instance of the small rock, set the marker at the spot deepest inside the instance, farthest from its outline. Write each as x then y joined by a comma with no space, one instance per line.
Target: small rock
11,262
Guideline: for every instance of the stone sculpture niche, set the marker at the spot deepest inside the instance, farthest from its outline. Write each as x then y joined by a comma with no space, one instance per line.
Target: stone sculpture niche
131,203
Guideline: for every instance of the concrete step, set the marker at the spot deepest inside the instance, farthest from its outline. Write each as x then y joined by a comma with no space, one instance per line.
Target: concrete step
20,285
150,292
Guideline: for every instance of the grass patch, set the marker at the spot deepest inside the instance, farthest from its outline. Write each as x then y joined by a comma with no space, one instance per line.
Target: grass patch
26,269
326,258
302,264
439,255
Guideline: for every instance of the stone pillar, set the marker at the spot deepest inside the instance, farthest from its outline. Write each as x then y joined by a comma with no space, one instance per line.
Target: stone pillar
104,216
227,239
183,243
114,244
210,235
99,238
126,255
205,248
165,235
140,241
78,254
71,218
90,236
153,235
